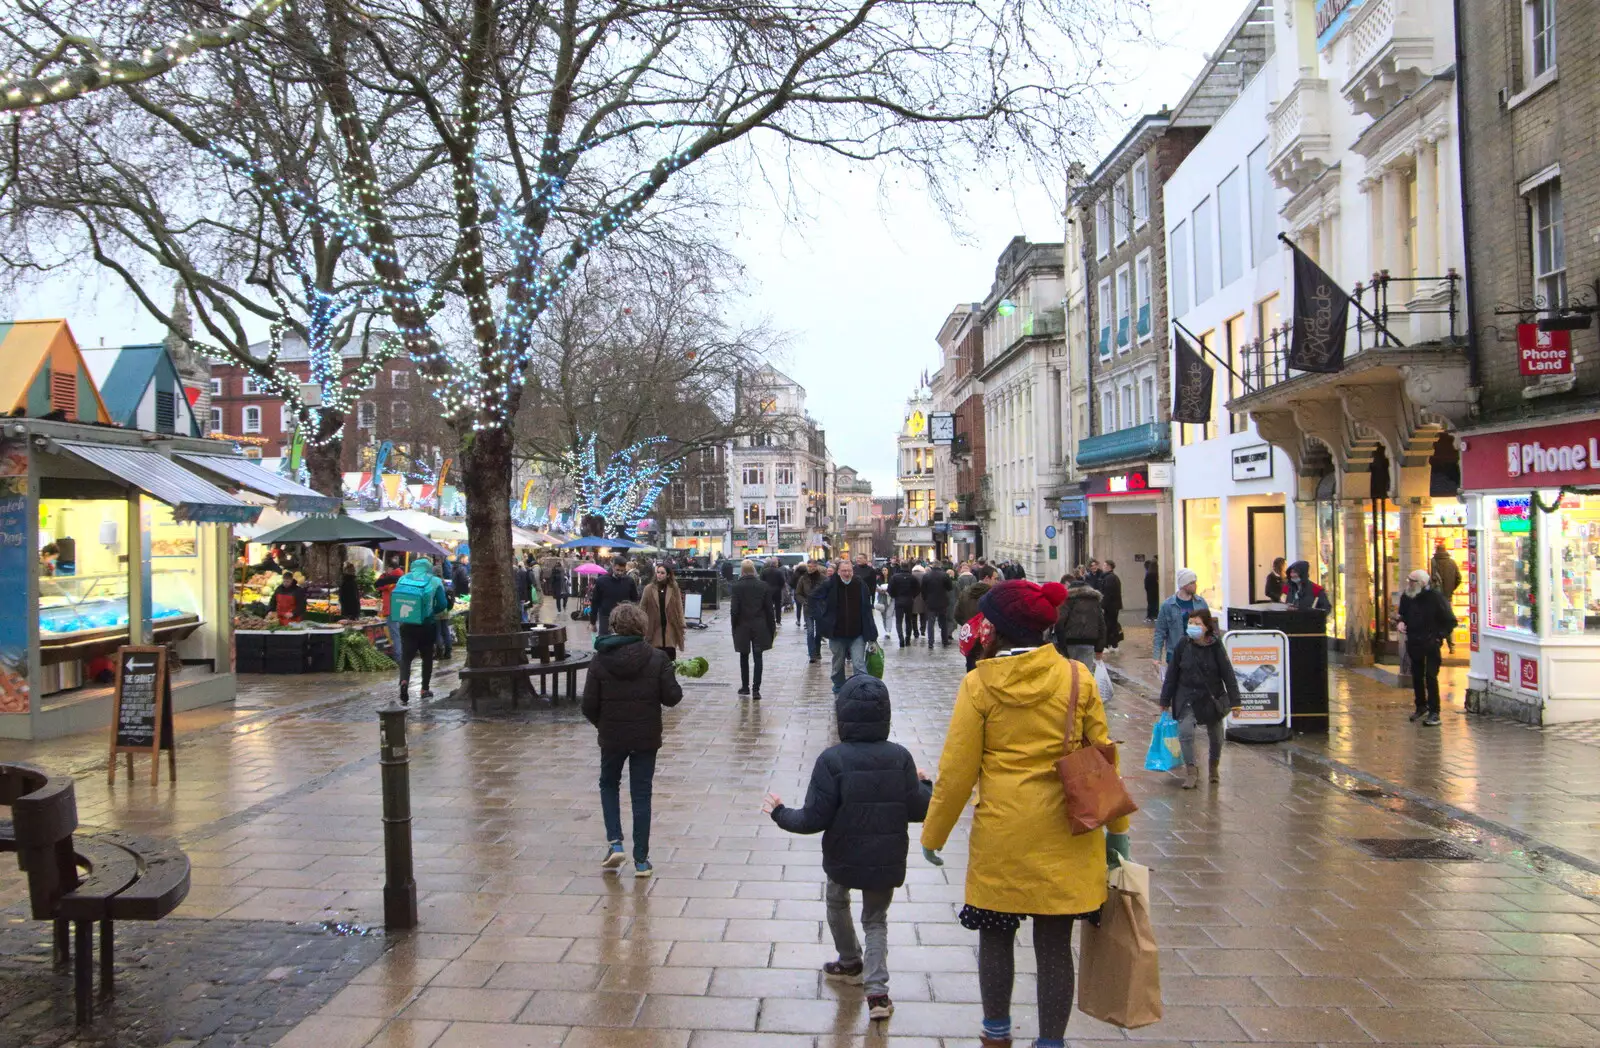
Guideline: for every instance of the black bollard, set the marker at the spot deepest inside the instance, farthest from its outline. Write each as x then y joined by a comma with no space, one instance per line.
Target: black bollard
399,885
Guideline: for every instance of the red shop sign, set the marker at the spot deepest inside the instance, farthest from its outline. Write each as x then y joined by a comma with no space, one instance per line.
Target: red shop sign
1502,667
1543,352
1134,482
1528,669
1541,457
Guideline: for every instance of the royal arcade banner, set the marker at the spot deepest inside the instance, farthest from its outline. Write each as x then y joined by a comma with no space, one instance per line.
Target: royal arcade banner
1321,318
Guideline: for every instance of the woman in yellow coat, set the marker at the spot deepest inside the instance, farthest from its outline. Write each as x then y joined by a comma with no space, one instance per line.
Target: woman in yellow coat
1006,733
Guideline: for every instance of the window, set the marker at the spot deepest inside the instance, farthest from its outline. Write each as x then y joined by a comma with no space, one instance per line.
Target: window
1511,570
1141,194
166,420
710,498
680,495
1549,245
1147,398
1102,229
786,511
1575,563
367,415
1124,306
400,414
1143,317
1263,212
1235,333
755,474
1127,405
216,421
1204,245
285,418
1231,225
252,419
1120,210
251,388
1202,542
708,458
400,379
1178,266
1408,224
1108,412
785,474
1541,36
755,513
1103,314
216,387
371,382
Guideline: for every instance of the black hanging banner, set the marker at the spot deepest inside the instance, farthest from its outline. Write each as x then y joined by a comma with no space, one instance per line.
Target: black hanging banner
1192,379
1321,318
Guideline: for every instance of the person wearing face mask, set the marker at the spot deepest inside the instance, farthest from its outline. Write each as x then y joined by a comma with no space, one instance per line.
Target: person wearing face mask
1426,620
1300,592
1200,688
1174,613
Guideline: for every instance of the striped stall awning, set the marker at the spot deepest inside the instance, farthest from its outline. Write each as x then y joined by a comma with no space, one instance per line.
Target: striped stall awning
190,497
288,495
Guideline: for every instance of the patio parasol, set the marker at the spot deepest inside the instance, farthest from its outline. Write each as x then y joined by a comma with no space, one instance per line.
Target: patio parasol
406,540
589,567
346,530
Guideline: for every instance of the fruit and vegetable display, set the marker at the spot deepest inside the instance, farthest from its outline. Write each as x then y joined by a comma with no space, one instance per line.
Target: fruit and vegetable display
356,653
695,666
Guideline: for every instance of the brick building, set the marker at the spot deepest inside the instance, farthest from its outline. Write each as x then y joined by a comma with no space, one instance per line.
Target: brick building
962,467
1125,458
394,406
1532,201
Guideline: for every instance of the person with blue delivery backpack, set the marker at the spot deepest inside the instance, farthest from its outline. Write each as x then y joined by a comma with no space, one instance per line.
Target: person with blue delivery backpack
416,604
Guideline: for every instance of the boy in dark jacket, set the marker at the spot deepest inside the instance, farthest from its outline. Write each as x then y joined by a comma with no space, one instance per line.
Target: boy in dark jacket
863,794
628,684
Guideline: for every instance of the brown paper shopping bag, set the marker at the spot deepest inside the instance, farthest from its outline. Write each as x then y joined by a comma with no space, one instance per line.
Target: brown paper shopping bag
1119,977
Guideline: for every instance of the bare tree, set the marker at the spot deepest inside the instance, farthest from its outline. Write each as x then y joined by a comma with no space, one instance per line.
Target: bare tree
562,127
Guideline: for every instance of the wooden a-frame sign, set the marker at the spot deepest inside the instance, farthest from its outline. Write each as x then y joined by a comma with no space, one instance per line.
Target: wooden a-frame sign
141,715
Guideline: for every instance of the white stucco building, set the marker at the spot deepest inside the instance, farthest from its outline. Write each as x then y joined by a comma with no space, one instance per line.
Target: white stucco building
780,476
914,472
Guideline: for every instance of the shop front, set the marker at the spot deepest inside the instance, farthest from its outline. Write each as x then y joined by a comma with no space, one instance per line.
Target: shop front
1130,521
702,536
1533,570
914,543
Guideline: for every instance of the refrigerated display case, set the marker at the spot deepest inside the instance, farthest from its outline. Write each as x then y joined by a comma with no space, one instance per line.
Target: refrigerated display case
84,616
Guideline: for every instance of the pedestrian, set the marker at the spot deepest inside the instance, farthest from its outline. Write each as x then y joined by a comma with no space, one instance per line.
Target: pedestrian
807,579
349,593
1275,580
1446,579
969,622
936,587
1199,689
1008,729
772,576
444,628
1301,591
1152,590
289,600
520,587
964,580
415,605
903,591
866,572
461,576
919,604
559,585
1093,576
1173,616
1111,604
1426,619
864,793
627,685
843,608
385,586
607,592
662,601
754,623
967,601
1081,624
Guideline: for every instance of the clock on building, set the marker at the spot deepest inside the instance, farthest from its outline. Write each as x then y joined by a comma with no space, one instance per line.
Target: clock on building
942,427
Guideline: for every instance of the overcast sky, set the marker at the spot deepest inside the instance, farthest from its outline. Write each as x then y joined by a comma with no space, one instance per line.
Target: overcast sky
862,283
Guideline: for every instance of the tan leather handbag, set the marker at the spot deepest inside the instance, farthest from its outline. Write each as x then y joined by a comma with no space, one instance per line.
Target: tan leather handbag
1094,790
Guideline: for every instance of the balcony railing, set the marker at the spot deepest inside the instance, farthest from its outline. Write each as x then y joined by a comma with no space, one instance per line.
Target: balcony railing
1302,142
1429,315
1151,440
1391,51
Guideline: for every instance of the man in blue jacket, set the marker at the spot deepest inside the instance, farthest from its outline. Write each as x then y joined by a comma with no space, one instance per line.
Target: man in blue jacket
842,607
1174,616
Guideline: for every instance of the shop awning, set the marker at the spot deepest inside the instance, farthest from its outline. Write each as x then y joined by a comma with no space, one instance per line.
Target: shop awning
156,475
289,496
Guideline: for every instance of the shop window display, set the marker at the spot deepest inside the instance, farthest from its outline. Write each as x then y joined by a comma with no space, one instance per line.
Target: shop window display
1575,564
1202,545
1511,564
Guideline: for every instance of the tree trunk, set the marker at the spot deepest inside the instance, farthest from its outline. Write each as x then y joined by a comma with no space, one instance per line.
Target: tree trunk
486,483
323,562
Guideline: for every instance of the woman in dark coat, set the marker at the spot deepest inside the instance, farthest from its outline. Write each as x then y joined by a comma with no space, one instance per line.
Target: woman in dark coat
753,616
349,593
1200,688
1152,590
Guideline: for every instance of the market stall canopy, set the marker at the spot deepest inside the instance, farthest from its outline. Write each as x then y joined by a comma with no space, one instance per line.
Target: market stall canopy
289,495
191,498
406,540
524,537
591,542
271,517
347,530
422,523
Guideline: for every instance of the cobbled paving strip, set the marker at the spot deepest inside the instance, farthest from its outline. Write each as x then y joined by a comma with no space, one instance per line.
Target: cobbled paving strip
183,984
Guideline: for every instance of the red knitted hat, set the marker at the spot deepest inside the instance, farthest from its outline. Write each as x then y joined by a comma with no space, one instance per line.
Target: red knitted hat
1020,608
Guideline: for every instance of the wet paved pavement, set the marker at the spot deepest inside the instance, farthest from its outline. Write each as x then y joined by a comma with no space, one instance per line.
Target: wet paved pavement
1276,928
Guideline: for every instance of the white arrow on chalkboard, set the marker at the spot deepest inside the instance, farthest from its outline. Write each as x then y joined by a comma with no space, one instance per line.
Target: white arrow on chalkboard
130,665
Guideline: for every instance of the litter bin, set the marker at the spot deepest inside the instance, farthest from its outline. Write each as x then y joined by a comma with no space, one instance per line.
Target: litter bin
1308,657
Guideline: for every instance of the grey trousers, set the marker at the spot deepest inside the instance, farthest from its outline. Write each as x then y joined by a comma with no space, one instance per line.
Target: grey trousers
1186,730
1083,653
874,922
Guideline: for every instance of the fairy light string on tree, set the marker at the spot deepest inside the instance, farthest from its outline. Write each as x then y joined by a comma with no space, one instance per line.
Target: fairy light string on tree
624,490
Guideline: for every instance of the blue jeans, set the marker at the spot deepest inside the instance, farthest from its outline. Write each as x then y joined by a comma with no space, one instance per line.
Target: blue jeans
839,648
394,639
813,639
447,635
641,778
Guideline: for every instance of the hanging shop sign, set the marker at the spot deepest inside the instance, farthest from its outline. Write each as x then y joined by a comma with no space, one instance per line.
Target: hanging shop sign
1541,456
1159,474
1543,352
1134,483
1253,462
1073,507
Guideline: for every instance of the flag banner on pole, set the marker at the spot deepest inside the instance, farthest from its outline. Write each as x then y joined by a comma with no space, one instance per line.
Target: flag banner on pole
1192,379
1321,318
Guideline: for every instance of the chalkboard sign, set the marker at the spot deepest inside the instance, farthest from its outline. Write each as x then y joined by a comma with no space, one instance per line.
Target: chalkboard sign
141,715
